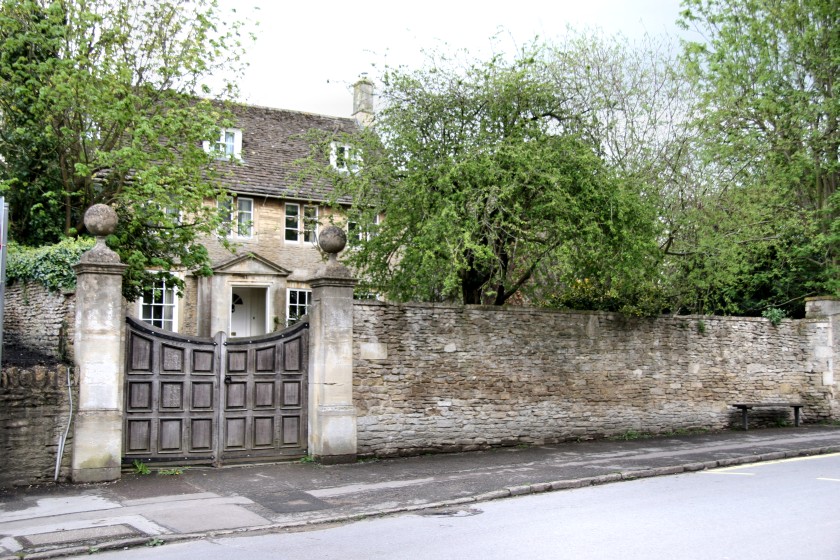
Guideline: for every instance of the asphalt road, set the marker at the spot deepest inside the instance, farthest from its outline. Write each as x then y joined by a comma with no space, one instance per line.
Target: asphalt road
778,510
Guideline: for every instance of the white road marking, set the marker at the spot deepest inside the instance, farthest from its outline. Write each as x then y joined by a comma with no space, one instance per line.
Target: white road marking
792,459
727,470
356,488
830,479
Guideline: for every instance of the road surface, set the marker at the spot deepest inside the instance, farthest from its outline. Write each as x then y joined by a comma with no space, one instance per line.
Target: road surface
779,510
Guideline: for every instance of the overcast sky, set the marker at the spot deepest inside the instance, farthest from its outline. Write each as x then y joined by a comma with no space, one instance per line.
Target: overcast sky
309,53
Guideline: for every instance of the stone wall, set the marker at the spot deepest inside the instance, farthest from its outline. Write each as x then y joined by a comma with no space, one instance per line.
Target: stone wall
449,378
39,319
443,378
34,413
823,333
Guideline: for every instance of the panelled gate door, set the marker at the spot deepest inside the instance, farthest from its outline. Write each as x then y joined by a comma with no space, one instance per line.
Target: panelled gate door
191,400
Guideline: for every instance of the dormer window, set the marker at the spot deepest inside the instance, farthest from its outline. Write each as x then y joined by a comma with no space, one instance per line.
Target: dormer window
228,145
343,158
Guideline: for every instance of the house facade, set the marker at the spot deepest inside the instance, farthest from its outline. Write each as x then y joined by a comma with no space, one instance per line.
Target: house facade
262,286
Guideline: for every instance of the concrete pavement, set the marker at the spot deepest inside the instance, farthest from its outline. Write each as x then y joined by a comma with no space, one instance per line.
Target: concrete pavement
50,521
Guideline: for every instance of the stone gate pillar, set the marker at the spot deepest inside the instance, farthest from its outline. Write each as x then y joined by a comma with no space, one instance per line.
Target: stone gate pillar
823,331
332,415
100,320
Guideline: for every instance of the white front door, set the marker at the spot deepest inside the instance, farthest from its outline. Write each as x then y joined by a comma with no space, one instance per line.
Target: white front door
247,311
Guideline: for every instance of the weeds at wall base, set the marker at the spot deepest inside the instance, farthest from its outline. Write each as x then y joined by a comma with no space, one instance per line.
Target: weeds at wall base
631,435
141,468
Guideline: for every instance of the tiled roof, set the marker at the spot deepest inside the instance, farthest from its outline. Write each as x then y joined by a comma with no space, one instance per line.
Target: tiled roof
272,140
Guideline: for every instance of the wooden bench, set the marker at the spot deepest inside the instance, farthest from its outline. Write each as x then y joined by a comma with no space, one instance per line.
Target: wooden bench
745,407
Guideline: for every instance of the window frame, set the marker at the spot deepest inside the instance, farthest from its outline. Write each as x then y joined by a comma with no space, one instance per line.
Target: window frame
247,224
303,224
310,223
307,292
171,304
176,213
286,226
354,231
343,158
231,211
221,148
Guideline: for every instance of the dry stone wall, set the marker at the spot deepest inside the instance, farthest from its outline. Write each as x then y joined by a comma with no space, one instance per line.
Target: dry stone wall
444,378
38,319
34,414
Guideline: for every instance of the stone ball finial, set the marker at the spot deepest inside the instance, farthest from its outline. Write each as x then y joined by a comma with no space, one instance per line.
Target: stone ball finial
101,220
332,240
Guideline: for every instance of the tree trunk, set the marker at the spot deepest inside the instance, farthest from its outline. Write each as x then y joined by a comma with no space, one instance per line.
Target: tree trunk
472,286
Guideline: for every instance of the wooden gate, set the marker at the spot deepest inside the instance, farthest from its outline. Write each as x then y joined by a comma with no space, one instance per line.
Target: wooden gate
191,400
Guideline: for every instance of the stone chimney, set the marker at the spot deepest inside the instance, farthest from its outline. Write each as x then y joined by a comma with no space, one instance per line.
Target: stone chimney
363,101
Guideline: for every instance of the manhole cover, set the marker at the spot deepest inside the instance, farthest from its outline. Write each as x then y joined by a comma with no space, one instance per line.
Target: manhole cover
452,512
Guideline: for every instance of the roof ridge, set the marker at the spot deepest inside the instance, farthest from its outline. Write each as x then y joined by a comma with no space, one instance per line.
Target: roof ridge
297,111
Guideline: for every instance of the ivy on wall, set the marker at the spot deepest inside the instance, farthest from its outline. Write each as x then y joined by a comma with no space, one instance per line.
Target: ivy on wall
50,265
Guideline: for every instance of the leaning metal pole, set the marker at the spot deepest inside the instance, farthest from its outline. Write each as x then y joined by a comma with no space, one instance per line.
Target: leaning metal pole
4,229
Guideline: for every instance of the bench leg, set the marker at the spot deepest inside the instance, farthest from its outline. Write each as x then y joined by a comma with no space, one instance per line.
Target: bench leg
744,420
796,415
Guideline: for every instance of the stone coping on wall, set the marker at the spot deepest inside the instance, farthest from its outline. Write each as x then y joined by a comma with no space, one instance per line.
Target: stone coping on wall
549,310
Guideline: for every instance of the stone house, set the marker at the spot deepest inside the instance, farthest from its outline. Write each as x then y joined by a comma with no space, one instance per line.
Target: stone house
275,218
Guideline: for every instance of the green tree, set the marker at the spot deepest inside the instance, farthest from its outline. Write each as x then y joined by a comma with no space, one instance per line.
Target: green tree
489,188
634,104
30,176
769,233
99,103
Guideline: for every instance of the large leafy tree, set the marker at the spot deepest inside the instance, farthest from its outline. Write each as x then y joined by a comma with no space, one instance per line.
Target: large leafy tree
490,189
634,104
719,250
768,234
739,236
99,103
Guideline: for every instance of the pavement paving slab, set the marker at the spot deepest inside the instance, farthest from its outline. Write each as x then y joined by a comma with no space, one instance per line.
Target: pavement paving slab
183,517
294,501
79,535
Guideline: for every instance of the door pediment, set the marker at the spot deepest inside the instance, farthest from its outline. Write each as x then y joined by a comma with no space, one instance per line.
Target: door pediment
251,263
